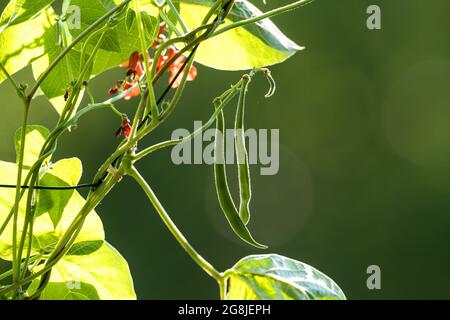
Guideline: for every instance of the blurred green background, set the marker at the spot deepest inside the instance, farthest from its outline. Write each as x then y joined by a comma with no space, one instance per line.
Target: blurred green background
364,119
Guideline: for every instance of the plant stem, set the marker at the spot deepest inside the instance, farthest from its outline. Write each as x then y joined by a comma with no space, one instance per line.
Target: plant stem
10,272
13,82
69,236
16,262
205,265
138,115
80,37
223,287
266,15
177,15
166,19
151,93
169,143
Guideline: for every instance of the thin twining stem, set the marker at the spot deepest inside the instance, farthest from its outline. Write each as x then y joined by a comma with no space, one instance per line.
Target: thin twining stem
205,265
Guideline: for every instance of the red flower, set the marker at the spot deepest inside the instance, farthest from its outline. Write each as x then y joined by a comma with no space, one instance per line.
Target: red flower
125,128
134,92
134,65
114,90
136,70
176,67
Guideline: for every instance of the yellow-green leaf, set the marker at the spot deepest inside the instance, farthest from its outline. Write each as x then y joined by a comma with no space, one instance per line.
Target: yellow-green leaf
64,173
18,11
253,46
274,277
35,137
22,43
67,71
46,233
103,274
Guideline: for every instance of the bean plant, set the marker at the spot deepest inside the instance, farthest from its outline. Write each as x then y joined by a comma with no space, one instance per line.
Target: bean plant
51,235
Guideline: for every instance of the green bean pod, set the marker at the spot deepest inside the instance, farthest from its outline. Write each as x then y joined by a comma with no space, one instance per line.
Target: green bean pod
223,192
245,192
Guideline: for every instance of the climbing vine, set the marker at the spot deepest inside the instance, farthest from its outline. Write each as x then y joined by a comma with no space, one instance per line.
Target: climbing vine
51,235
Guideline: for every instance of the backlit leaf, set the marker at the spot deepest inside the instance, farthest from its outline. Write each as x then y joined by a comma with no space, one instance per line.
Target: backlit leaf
257,45
274,277
18,11
23,43
35,137
104,274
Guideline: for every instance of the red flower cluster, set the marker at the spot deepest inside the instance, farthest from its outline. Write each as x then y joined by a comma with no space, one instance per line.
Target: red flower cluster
176,67
136,69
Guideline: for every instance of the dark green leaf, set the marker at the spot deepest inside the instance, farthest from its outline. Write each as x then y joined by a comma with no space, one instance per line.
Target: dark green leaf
85,247
60,79
125,34
90,12
130,17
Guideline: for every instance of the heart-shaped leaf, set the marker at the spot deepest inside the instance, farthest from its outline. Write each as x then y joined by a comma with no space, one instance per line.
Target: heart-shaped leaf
125,33
103,274
253,46
55,209
56,212
274,277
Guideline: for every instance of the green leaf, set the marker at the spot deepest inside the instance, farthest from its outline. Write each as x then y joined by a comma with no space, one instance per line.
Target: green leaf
126,34
90,12
257,45
60,78
64,173
18,11
67,71
66,291
35,137
274,277
84,248
130,17
104,274
22,43
52,208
